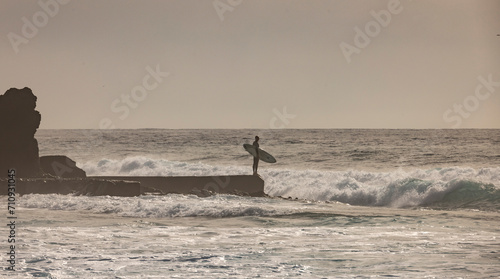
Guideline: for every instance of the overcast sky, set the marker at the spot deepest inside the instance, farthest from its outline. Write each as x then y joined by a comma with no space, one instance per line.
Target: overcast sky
255,64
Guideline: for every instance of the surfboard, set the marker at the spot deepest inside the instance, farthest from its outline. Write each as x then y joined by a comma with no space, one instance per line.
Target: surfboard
263,155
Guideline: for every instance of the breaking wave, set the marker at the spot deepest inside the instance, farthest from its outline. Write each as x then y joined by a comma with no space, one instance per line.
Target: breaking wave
452,187
174,205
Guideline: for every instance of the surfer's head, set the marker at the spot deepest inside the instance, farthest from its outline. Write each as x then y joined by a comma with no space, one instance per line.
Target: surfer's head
257,138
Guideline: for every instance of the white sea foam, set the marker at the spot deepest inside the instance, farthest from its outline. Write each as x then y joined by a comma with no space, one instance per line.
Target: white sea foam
144,166
398,188
159,206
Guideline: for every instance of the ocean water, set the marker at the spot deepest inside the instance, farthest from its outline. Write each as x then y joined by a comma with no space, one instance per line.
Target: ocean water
343,204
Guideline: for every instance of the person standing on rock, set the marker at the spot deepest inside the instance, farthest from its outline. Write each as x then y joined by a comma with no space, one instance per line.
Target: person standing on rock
256,158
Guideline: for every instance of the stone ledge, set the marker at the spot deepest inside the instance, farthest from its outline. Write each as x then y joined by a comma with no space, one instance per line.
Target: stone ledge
79,186
130,186
248,185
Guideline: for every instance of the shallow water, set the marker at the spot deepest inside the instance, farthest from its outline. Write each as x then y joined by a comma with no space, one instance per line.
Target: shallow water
289,239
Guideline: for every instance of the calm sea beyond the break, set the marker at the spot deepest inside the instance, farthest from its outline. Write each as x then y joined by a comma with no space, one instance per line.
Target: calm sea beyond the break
341,204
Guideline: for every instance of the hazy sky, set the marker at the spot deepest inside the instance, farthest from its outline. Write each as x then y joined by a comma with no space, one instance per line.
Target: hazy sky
255,64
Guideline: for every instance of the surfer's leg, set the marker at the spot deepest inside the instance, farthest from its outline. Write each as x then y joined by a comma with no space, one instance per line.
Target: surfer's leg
255,165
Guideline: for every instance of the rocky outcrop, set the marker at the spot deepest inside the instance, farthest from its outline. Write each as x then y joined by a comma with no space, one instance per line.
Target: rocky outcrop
61,166
59,174
18,124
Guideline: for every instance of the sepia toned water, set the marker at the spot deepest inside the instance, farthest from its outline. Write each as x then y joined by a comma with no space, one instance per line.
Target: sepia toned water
356,203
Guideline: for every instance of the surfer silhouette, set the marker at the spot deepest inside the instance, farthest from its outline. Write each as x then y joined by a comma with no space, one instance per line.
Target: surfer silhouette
256,158
258,154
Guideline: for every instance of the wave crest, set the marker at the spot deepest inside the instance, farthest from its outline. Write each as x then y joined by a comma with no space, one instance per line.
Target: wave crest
154,206
453,187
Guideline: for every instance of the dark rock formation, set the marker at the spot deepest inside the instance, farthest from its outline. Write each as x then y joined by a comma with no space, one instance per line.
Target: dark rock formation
58,174
18,124
61,166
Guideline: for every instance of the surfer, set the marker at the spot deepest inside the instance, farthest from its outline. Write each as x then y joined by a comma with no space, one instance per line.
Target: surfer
256,158
258,154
